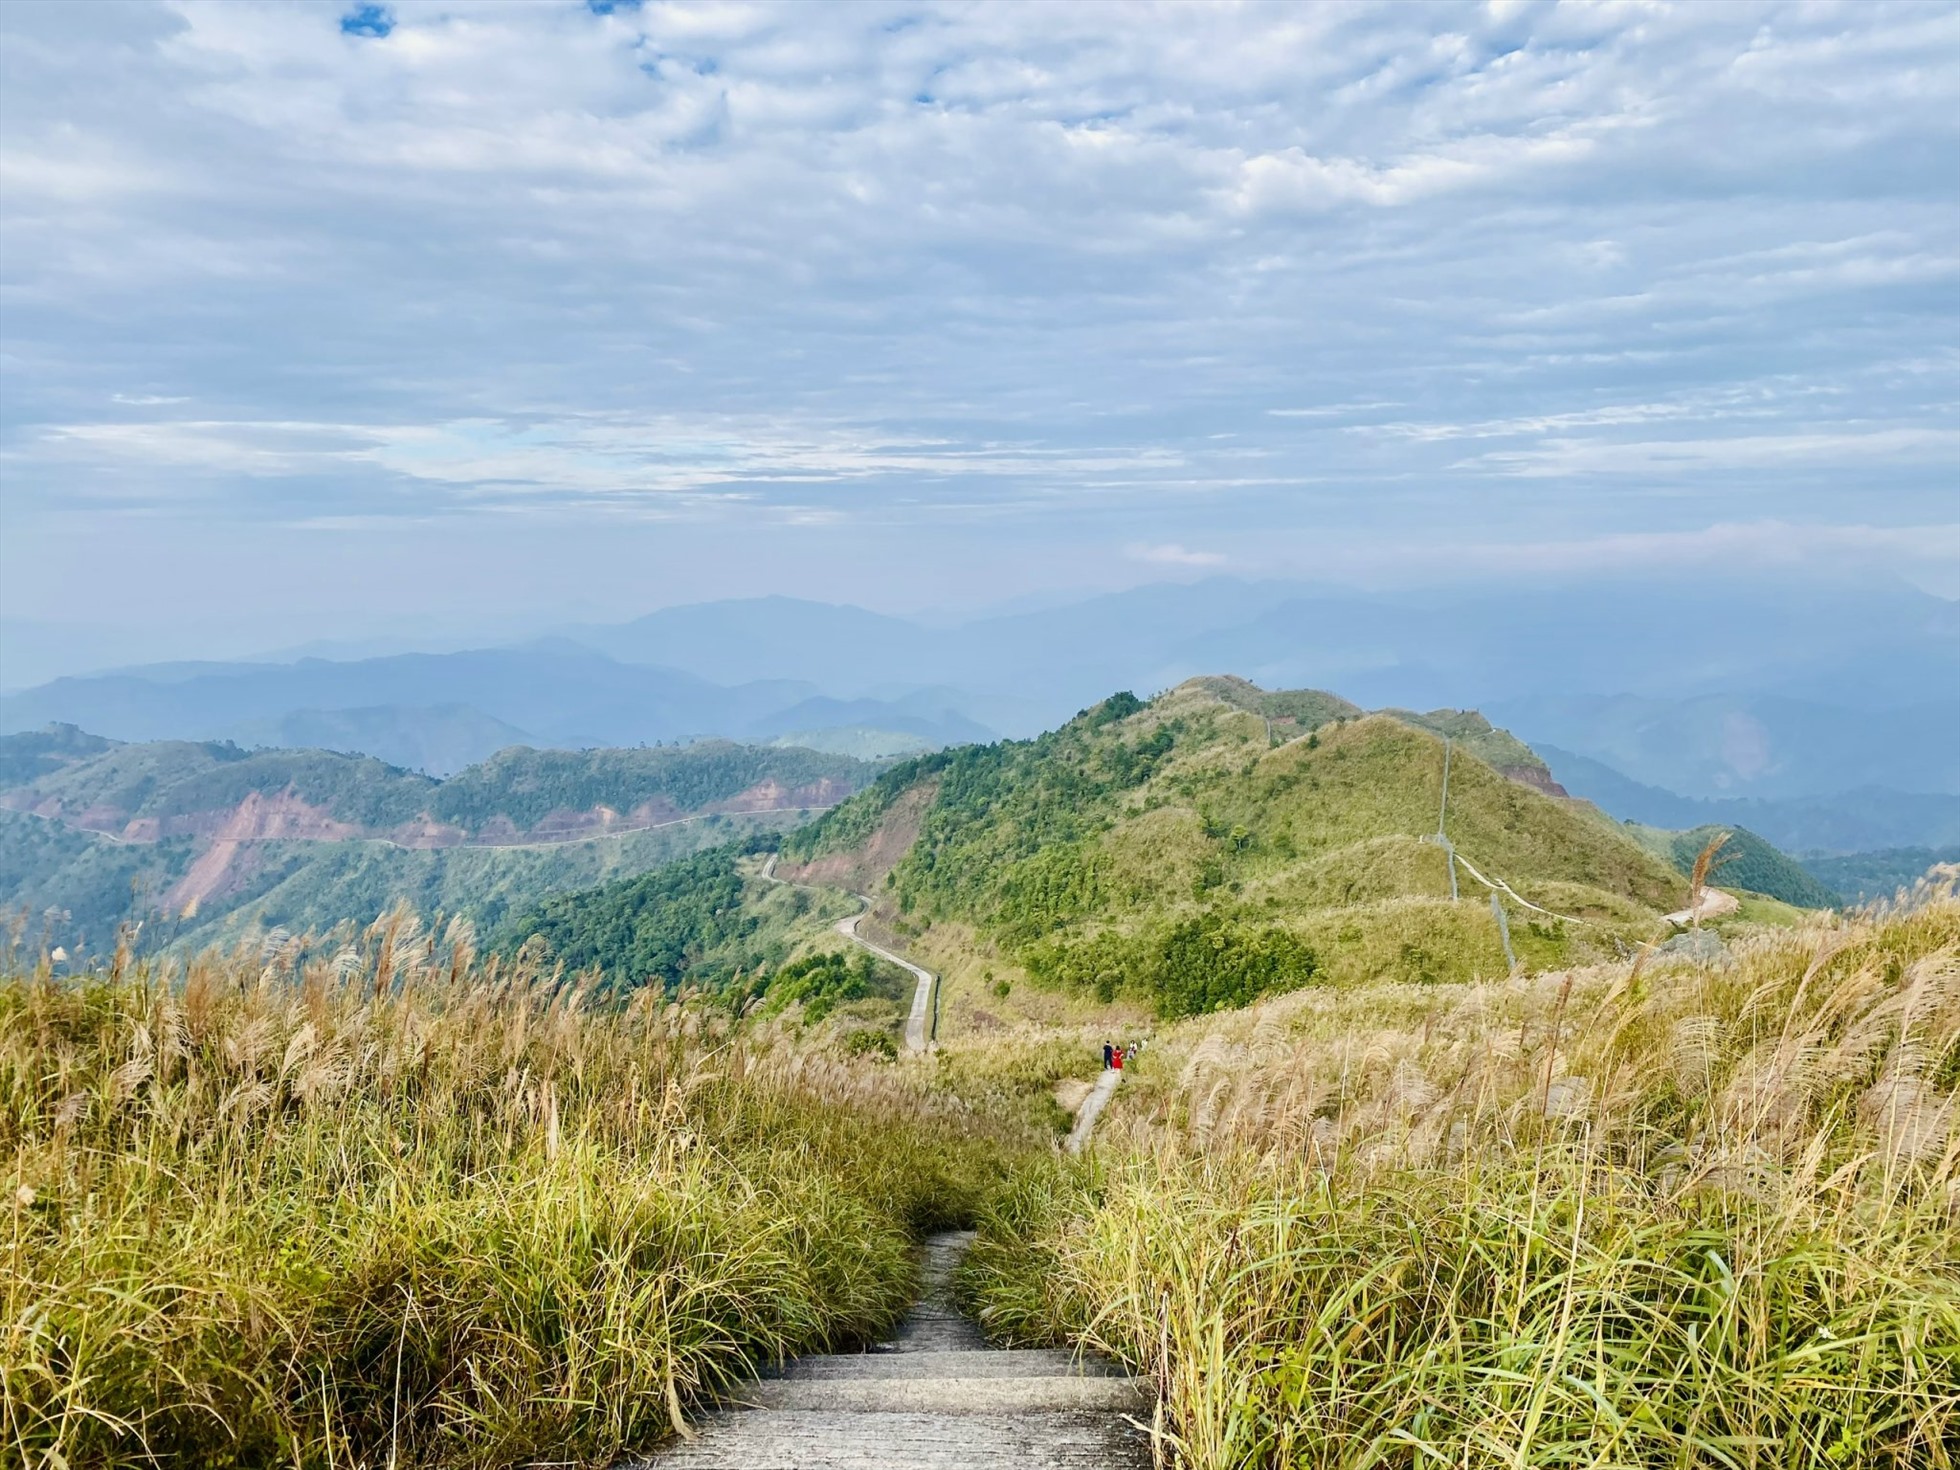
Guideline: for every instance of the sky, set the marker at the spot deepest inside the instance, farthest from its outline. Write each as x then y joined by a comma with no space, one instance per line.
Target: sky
320,320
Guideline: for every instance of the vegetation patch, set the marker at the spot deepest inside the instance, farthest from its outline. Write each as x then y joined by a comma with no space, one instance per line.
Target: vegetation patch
398,1206
1108,856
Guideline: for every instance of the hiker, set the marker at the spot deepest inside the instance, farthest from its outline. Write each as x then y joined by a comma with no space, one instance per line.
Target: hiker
1108,1050
1118,1058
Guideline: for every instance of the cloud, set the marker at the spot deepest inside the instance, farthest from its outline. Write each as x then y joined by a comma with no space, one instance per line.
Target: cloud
1170,554
1563,457
1391,276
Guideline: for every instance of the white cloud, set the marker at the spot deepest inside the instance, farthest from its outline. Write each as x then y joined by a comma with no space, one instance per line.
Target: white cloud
1170,554
1033,269
1865,450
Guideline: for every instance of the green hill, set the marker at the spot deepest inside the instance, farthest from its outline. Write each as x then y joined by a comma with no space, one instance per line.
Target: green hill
706,921
1744,861
1864,876
513,792
206,839
1221,840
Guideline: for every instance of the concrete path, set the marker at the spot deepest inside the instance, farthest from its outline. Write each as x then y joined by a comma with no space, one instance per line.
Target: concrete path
934,1398
1091,1109
918,1023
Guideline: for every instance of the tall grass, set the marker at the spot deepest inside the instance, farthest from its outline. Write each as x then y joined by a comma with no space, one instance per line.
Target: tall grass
1668,1214
395,1206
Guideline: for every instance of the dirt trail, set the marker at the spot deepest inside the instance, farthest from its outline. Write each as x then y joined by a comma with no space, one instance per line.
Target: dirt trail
933,1398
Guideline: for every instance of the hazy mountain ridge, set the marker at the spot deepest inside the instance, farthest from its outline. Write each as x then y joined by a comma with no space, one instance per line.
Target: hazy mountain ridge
1864,820
449,705
1862,877
1700,686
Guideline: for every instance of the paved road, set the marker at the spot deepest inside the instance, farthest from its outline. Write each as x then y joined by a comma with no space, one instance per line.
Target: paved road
918,1023
1091,1109
934,1398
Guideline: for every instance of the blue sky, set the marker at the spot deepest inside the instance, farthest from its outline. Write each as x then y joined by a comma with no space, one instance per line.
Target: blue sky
324,318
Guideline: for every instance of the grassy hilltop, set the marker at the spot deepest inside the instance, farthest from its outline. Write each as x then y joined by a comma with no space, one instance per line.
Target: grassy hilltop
1220,841
1674,1213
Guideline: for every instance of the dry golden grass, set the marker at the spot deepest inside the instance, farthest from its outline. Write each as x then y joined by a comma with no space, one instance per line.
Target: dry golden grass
1668,1213
395,1205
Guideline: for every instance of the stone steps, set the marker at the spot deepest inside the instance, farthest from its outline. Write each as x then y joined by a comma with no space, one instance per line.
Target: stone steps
764,1440
960,1396
978,1363
934,1398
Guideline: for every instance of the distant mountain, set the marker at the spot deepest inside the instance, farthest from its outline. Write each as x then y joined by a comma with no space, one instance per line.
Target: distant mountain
843,650
1709,686
37,753
858,740
1724,746
433,710
1842,822
94,832
437,740
1863,876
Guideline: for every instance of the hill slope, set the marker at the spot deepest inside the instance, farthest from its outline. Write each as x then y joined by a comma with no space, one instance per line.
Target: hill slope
1221,841
1744,861
98,832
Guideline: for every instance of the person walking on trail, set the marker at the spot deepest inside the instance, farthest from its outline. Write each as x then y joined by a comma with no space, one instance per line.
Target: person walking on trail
1108,1052
1119,1058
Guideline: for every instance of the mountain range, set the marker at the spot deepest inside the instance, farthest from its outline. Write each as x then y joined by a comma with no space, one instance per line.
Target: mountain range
438,712
1832,702
1222,841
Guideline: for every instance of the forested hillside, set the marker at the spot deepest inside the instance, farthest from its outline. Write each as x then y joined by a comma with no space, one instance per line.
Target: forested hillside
1743,860
93,783
206,838
706,921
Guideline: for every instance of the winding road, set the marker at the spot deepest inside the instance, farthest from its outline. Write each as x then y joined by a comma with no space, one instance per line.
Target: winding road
918,1025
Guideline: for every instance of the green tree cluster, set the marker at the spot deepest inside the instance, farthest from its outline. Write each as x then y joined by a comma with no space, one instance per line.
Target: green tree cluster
821,982
656,929
1207,962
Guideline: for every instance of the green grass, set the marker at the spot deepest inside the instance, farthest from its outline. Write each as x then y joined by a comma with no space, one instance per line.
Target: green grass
405,1208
